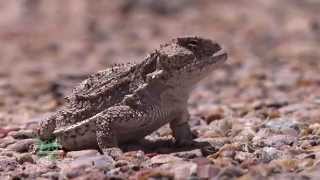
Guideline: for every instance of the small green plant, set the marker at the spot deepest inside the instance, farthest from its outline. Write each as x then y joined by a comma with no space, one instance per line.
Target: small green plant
48,148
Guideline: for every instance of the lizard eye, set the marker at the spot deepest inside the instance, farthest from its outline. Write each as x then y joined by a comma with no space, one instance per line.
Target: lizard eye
192,44
175,62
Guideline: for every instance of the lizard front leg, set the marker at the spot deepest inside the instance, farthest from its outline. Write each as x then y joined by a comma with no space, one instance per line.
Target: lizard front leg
181,129
184,136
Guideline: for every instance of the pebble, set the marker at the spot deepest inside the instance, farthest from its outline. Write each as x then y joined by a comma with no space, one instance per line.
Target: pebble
82,153
47,163
180,169
31,170
268,154
284,126
51,175
164,159
118,173
286,165
23,134
74,168
211,113
25,157
207,171
242,156
188,154
152,174
9,153
4,142
229,173
22,145
279,140
8,163
5,131
98,161
220,128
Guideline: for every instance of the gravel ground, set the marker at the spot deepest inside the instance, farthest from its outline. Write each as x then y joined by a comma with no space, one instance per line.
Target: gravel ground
260,112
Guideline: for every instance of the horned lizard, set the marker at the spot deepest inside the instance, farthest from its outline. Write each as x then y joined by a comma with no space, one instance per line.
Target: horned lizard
127,102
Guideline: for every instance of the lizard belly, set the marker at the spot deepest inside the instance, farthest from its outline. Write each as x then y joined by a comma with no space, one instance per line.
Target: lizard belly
78,137
88,141
139,128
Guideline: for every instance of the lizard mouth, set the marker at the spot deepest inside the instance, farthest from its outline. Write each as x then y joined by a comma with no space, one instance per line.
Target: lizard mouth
207,62
218,57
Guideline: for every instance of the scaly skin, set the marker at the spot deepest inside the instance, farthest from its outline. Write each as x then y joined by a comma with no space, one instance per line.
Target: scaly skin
127,102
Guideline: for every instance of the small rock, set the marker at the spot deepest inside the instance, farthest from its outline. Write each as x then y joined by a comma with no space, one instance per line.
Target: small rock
279,140
242,156
118,173
292,108
98,161
8,163
152,174
22,145
181,170
94,174
163,158
23,134
5,131
51,175
188,154
47,163
216,142
220,128
286,165
214,114
134,154
121,163
82,153
25,157
228,150
268,154
77,167
230,173
292,176
207,171
8,153
4,142
161,7
31,171
262,134
244,136
201,161
270,103
208,150
317,100
284,126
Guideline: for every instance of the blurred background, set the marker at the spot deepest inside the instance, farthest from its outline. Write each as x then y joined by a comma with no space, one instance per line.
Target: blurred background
46,47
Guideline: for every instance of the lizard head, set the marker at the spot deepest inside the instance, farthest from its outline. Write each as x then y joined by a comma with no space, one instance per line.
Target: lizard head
187,60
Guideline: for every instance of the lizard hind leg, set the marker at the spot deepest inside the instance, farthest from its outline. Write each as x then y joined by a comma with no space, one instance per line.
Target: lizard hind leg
108,124
46,128
106,138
